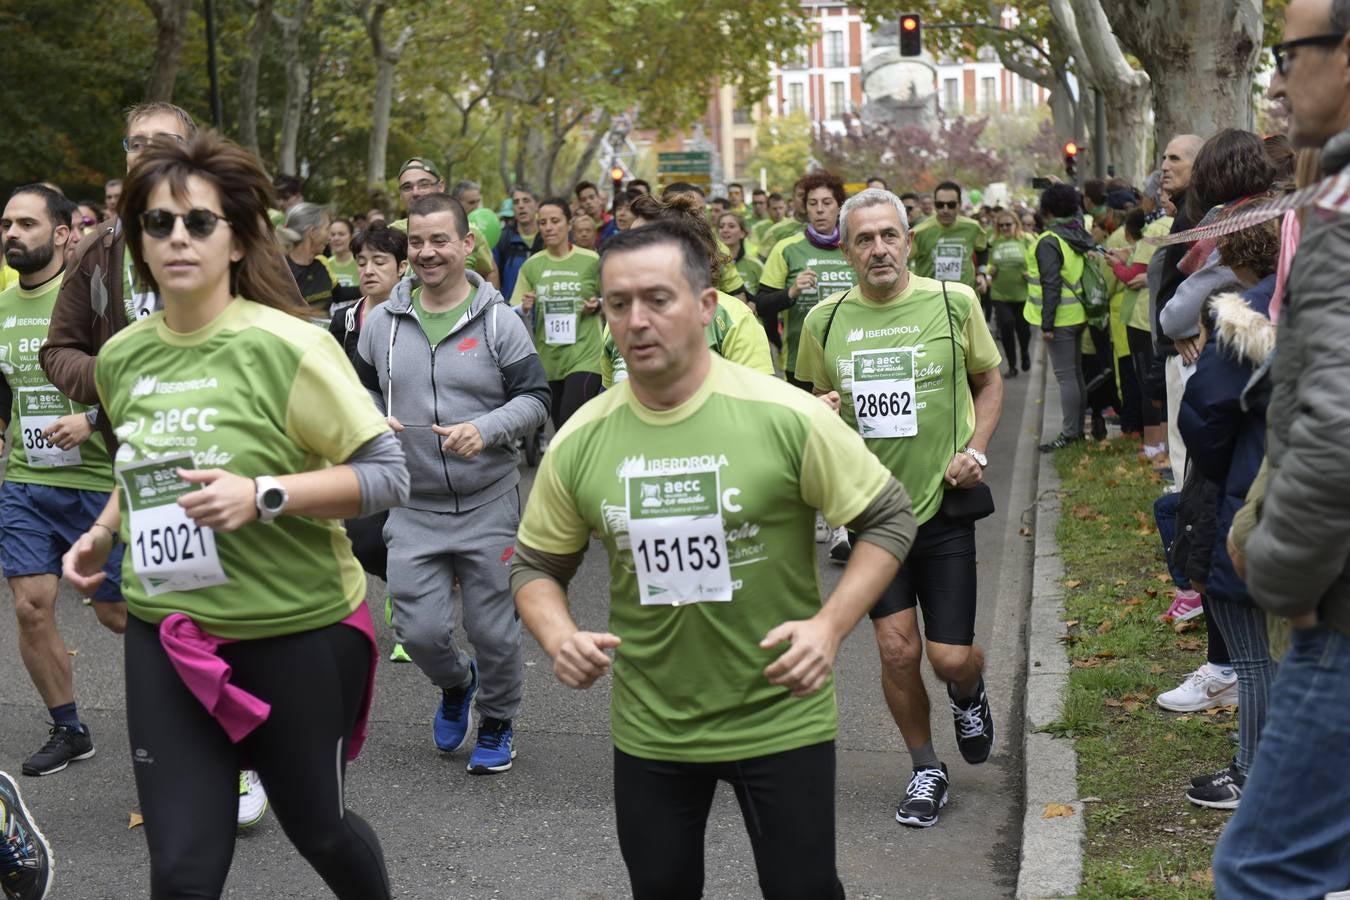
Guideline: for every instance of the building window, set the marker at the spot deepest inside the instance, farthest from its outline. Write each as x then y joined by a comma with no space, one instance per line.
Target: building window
797,58
796,99
834,50
740,115
988,95
837,105
951,94
742,146
1028,93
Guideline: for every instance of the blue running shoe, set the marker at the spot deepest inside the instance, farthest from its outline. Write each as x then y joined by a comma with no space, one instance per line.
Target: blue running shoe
450,728
495,748
25,856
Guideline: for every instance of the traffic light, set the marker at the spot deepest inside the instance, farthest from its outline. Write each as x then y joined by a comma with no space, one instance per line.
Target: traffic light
911,35
616,176
1071,160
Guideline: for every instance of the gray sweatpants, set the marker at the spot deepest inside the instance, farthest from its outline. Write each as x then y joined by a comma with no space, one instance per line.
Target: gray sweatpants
427,552
1066,358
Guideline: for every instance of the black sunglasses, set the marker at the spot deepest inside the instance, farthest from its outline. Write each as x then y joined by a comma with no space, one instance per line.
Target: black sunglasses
953,204
1005,224
200,223
1283,56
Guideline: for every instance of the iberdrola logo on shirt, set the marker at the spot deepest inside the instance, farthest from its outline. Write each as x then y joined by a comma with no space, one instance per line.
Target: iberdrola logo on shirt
144,386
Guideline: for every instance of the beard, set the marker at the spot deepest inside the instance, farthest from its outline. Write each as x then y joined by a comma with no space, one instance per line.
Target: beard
25,261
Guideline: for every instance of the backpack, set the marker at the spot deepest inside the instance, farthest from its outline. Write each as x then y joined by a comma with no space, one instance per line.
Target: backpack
1092,290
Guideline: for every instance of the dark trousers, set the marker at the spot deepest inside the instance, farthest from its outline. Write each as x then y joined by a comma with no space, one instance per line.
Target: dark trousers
1014,332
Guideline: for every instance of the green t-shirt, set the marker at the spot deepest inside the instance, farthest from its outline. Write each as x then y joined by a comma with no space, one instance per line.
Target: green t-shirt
752,457
734,333
438,325
343,274
1134,310
787,227
26,316
729,279
255,392
1008,259
750,269
789,257
903,349
567,338
947,254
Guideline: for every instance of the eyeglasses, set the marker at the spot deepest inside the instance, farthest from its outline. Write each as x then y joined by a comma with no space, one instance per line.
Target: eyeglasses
200,223
425,184
140,143
946,204
1283,57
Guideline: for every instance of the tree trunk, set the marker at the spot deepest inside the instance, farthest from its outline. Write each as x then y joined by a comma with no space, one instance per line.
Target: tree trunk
170,31
1200,58
297,87
248,77
592,147
386,59
1125,91
504,149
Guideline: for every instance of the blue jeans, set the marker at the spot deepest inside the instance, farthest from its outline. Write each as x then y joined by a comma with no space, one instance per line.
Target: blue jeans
1290,836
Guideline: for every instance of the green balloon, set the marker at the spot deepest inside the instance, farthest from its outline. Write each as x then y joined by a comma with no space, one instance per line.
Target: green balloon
488,223
976,195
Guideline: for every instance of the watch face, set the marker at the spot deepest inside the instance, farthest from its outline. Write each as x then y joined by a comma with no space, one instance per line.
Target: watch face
273,498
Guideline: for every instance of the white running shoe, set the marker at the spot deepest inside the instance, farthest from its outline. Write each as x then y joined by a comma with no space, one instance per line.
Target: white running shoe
252,799
1200,691
823,532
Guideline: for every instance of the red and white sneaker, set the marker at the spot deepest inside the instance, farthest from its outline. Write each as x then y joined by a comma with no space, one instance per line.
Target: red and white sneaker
1185,606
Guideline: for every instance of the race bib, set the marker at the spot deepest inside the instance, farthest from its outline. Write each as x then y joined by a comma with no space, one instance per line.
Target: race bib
949,261
169,552
883,393
678,540
39,408
560,322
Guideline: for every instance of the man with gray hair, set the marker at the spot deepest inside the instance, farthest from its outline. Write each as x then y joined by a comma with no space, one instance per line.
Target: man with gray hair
871,353
1289,835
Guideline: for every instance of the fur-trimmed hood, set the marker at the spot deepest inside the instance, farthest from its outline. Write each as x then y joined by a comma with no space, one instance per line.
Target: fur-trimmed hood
1241,331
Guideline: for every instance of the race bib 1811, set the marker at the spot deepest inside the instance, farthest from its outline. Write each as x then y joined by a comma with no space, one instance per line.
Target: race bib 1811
678,540
883,393
39,408
169,552
560,322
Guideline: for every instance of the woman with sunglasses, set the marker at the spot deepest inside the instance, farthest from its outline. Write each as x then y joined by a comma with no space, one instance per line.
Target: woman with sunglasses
245,437
1008,288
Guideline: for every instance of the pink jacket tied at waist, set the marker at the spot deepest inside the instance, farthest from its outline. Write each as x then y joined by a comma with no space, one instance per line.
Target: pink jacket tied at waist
195,656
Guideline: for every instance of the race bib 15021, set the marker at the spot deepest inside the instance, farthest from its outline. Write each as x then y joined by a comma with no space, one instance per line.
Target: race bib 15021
169,552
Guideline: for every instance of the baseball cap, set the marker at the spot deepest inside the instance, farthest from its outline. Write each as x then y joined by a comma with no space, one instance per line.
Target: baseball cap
419,162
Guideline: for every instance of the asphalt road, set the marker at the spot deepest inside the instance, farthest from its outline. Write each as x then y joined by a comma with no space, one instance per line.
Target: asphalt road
545,829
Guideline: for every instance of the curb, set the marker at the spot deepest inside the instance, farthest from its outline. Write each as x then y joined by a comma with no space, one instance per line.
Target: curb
1052,849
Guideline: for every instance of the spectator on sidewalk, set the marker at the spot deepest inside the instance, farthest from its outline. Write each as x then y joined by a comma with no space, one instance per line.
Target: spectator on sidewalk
1290,837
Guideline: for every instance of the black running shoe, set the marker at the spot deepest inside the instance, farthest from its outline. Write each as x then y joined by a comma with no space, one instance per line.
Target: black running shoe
925,795
25,856
1224,792
1060,442
1210,777
974,725
64,745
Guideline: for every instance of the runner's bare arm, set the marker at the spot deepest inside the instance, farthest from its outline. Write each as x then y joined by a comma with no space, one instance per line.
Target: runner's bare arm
537,579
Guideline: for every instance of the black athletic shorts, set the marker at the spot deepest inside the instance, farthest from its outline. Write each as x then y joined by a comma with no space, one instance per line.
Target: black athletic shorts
938,576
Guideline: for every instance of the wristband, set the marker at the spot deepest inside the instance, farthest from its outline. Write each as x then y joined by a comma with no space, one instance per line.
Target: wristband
115,536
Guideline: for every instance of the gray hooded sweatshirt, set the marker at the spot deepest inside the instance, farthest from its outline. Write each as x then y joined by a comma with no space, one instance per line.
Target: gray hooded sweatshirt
486,371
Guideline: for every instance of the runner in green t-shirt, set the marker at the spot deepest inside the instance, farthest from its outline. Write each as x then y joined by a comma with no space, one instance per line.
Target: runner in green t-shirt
949,246
341,263
805,269
244,437
558,289
58,475
731,232
910,364
1008,288
701,479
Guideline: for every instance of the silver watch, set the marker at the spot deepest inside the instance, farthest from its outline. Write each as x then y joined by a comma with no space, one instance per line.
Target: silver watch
270,498
977,456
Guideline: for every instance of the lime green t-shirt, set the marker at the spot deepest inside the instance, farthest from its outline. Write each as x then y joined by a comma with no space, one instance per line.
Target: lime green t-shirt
755,458
750,269
1008,262
729,279
7,275
903,349
734,333
26,315
480,260
255,392
438,325
568,339
343,274
786,262
1134,309
787,227
947,254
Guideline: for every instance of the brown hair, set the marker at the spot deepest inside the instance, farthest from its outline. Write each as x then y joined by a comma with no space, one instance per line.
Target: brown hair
245,196
1256,248
684,209
823,179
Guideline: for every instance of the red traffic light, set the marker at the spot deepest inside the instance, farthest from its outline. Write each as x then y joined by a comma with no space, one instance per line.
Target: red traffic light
616,173
911,35
909,23
1070,149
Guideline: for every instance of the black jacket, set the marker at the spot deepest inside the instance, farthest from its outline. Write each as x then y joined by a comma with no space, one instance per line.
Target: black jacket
1050,263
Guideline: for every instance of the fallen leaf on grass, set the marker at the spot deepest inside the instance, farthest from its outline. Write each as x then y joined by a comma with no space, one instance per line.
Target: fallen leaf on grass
1183,627
1070,623
1132,705
1162,577
1113,702
1057,810
1142,518
1086,662
1155,669
1132,601
1189,645
1121,582
1228,708
1085,512
1169,737
1105,627
1205,877
1111,482
135,821
1151,592
1072,583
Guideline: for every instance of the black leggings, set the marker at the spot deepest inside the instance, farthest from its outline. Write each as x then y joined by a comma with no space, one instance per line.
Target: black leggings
187,770
570,393
1014,332
1141,355
787,800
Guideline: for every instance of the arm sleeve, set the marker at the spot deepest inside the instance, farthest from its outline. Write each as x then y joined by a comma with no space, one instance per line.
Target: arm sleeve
526,407
981,351
811,363
839,475
1125,272
746,343
382,472
1180,318
364,364
7,400
1050,263
775,271
326,414
67,358
888,521
771,301
552,523
529,564
730,281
